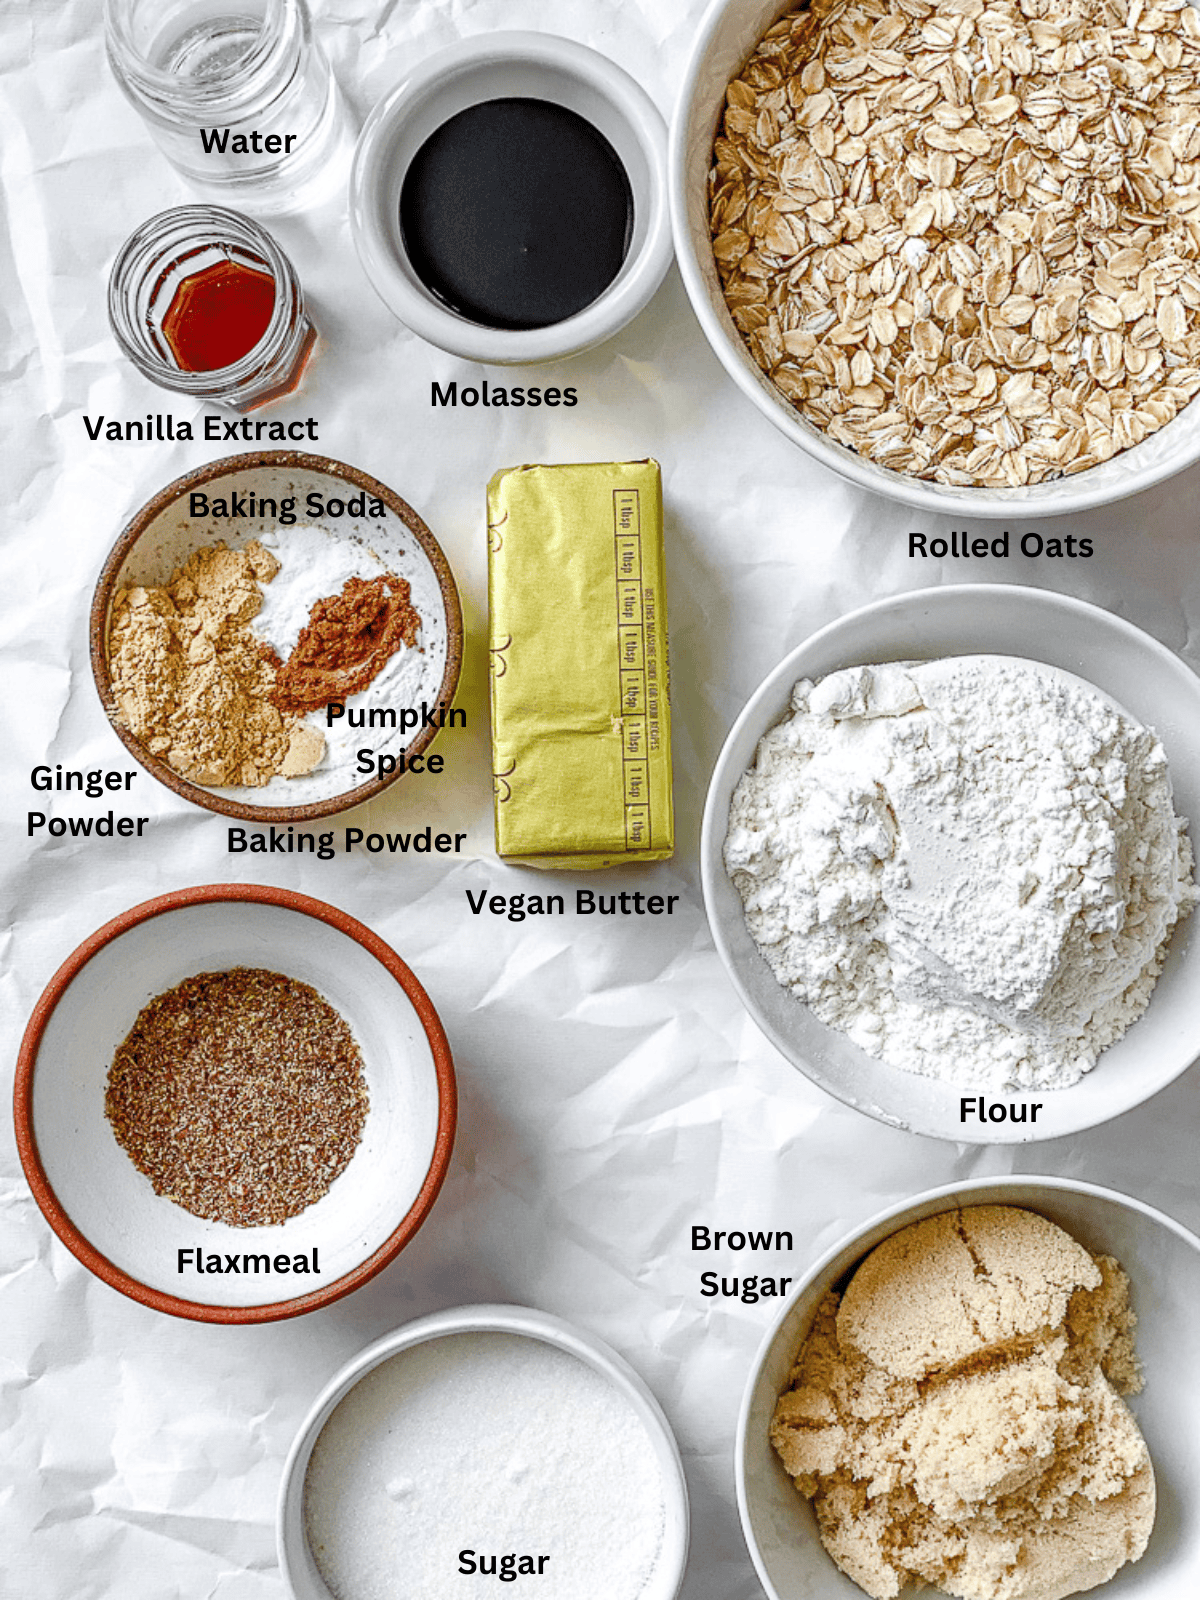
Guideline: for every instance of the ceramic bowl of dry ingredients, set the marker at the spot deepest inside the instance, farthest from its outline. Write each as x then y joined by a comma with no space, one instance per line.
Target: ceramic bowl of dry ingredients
726,40
361,609
108,1212
529,261
1149,681
485,1441
1162,1262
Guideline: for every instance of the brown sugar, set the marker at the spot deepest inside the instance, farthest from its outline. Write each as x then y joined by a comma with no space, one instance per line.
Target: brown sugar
194,684
956,1415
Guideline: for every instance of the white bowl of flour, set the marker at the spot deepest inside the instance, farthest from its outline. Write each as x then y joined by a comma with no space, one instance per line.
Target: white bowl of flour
968,865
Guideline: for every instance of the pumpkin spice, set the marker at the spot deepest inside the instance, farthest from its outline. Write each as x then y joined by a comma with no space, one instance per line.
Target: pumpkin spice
348,641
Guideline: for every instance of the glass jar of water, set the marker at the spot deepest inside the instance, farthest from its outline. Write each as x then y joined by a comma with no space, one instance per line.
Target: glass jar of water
238,95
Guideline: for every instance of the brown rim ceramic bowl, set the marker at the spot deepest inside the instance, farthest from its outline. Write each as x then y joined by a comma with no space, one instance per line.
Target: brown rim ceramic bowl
106,1212
331,503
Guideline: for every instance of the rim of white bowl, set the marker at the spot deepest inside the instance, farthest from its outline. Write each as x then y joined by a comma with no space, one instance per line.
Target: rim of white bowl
1062,496
882,1226
642,271
713,828
526,1322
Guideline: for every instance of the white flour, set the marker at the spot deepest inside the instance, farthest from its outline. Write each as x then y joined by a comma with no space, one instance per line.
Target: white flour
492,1443
970,866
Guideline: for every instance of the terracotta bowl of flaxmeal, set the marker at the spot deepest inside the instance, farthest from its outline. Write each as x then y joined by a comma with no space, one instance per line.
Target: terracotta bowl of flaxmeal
277,636
279,1158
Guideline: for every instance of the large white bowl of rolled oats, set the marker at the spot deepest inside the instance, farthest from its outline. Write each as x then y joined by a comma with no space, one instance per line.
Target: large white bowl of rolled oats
951,248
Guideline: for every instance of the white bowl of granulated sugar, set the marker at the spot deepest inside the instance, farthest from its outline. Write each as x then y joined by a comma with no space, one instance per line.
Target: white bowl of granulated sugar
981,953
489,1444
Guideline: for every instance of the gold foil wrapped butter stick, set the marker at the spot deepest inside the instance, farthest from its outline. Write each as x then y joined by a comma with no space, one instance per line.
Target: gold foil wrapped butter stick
581,724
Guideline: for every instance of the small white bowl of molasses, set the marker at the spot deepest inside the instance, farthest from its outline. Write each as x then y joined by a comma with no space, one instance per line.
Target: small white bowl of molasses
509,199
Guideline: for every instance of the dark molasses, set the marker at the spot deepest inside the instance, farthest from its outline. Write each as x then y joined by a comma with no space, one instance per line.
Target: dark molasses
516,213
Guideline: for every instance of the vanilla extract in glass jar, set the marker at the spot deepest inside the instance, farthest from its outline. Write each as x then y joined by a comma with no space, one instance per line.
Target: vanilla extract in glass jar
237,94
203,301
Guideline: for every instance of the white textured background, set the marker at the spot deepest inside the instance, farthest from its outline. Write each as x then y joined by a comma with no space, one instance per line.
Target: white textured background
612,1091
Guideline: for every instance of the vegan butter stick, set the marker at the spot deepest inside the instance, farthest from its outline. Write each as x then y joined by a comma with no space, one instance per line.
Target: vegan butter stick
581,724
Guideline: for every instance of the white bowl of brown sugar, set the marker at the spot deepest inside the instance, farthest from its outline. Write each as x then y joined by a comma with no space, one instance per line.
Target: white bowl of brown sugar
904,252
902,1361
235,1103
264,620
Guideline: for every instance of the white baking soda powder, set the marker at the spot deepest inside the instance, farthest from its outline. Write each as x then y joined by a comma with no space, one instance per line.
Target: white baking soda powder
482,1458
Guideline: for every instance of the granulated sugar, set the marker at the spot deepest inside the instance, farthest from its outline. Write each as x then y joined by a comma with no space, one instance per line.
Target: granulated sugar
970,866
493,1444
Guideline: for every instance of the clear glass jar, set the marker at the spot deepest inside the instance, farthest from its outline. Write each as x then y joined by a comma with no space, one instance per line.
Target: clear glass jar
151,282
237,94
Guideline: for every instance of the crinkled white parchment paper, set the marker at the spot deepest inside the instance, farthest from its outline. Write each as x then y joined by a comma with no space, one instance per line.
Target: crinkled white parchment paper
613,1092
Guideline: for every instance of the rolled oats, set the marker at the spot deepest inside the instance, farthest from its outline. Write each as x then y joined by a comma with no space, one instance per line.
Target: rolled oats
963,238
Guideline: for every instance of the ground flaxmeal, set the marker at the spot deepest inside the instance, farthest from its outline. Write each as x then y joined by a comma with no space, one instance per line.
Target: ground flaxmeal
240,1095
192,682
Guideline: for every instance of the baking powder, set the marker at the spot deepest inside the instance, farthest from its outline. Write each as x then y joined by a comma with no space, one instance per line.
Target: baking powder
971,866
493,1444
